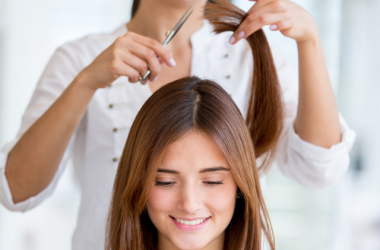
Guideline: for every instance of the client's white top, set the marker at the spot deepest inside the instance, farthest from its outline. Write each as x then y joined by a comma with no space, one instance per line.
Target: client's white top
99,140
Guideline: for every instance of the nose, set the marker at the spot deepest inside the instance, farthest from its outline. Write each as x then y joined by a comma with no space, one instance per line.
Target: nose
190,200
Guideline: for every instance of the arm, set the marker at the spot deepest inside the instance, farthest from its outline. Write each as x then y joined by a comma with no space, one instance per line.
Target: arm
312,166
317,118
34,160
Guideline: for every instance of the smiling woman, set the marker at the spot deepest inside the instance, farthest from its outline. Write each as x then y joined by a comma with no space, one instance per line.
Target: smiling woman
188,177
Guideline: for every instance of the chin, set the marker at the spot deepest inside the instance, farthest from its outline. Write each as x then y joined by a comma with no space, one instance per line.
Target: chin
189,243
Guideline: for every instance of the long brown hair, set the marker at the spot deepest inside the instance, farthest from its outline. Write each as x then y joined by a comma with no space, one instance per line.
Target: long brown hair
185,105
265,111
192,104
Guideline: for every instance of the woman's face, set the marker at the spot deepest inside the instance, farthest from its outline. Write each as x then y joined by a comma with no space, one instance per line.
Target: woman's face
193,198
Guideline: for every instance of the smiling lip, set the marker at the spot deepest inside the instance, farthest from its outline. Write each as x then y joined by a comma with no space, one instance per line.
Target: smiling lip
190,228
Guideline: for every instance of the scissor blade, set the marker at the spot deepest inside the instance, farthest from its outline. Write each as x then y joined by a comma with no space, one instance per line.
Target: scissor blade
181,21
175,31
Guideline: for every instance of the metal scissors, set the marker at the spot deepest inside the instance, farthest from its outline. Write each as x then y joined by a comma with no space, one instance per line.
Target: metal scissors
170,34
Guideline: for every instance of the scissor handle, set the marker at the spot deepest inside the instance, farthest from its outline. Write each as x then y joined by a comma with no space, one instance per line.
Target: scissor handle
143,79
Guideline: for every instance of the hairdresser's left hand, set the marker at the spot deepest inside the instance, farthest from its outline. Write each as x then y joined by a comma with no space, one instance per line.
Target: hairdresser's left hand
289,18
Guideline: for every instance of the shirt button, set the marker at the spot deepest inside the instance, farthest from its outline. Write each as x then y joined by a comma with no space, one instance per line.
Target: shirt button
228,77
226,55
110,106
115,159
115,130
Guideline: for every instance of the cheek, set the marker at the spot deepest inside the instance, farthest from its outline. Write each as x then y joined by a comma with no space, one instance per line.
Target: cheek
222,201
160,202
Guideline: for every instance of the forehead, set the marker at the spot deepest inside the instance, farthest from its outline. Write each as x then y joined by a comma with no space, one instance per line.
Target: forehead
193,151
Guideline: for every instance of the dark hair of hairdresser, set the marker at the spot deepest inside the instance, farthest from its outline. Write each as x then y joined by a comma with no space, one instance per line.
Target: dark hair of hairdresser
264,116
183,106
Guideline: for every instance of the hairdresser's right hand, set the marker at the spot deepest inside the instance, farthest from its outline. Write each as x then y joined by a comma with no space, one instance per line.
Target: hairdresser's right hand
130,55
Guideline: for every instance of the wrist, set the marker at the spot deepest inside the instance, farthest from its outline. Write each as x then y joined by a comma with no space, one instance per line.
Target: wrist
312,40
81,82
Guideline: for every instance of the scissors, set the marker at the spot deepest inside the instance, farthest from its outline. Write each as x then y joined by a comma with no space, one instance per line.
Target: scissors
169,35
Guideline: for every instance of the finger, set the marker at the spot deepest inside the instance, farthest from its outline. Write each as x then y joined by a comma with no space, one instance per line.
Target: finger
154,45
257,24
128,71
282,25
133,61
269,8
137,64
149,57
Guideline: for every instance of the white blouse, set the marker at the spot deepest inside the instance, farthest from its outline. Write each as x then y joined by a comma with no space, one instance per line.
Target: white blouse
100,137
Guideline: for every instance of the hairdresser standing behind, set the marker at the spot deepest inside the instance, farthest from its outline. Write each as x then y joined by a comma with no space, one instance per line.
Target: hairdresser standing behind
84,103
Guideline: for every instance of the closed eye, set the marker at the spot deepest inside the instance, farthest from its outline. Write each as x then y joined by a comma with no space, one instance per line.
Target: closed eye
213,183
165,184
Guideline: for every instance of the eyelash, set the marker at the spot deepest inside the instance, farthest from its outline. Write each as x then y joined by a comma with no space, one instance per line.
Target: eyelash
170,183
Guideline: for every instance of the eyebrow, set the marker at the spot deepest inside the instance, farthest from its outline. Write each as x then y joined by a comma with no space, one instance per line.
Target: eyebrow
205,170
162,170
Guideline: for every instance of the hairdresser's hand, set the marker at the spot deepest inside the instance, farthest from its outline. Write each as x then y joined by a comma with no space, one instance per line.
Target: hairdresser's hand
130,55
289,18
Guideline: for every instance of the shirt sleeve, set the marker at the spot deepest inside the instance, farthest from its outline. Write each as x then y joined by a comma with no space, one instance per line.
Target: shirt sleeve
312,166
58,74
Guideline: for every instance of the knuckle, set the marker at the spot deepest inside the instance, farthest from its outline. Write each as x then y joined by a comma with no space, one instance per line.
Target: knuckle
279,4
115,52
153,43
114,68
150,53
263,19
130,34
143,67
250,18
287,14
119,40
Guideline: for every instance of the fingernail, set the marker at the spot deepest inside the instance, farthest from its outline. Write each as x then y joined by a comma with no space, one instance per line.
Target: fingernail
172,62
232,40
241,34
273,27
154,79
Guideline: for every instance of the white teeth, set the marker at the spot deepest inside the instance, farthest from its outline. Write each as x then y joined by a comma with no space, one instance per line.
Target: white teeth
190,222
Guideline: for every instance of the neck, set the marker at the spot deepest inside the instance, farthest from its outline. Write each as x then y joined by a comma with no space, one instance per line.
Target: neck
153,18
